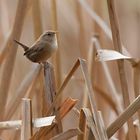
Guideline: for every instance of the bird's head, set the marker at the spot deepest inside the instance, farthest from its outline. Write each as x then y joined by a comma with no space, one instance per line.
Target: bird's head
49,36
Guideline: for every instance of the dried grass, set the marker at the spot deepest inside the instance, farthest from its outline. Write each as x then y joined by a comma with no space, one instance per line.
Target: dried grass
101,101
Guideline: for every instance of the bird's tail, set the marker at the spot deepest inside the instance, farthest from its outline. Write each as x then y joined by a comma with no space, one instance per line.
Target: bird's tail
22,45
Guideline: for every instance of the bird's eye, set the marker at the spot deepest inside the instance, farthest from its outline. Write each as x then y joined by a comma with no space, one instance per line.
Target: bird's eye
49,34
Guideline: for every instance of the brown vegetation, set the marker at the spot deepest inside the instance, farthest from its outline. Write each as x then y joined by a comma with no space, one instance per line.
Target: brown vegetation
77,94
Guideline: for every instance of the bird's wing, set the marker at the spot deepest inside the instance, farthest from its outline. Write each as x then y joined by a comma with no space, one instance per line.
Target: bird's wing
36,48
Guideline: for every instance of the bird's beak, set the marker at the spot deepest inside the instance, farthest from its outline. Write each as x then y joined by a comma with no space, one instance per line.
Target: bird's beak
56,32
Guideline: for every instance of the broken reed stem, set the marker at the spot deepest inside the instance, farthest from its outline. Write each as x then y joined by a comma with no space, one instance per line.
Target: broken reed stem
49,94
92,134
82,126
37,122
64,109
118,47
9,62
70,104
56,58
26,128
65,82
10,124
90,92
129,111
49,86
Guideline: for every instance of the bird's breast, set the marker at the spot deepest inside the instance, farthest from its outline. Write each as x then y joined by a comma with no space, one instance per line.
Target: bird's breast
54,45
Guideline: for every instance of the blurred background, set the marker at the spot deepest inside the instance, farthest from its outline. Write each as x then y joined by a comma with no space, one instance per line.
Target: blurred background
77,24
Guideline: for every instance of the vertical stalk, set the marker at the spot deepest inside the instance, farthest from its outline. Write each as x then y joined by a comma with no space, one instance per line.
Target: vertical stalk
10,60
82,33
26,128
36,12
118,47
49,95
38,29
56,59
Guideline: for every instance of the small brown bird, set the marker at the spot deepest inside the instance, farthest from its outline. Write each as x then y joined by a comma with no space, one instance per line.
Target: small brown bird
42,49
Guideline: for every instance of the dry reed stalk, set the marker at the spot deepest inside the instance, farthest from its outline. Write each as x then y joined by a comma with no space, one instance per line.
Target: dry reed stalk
110,81
56,58
101,24
92,99
91,66
21,91
96,18
64,109
5,25
38,29
106,96
122,75
67,135
84,69
97,8
5,50
136,81
37,22
81,31
91,60
49,87
128,112
91,69
37,122
82,126
137,130
26,128
65,82
24,90
49,95
9,62
84,121
10,124
76,111
70,104
92,134
103,127
117,46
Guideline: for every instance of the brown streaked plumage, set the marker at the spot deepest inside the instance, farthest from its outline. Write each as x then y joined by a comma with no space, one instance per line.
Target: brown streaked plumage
42,49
